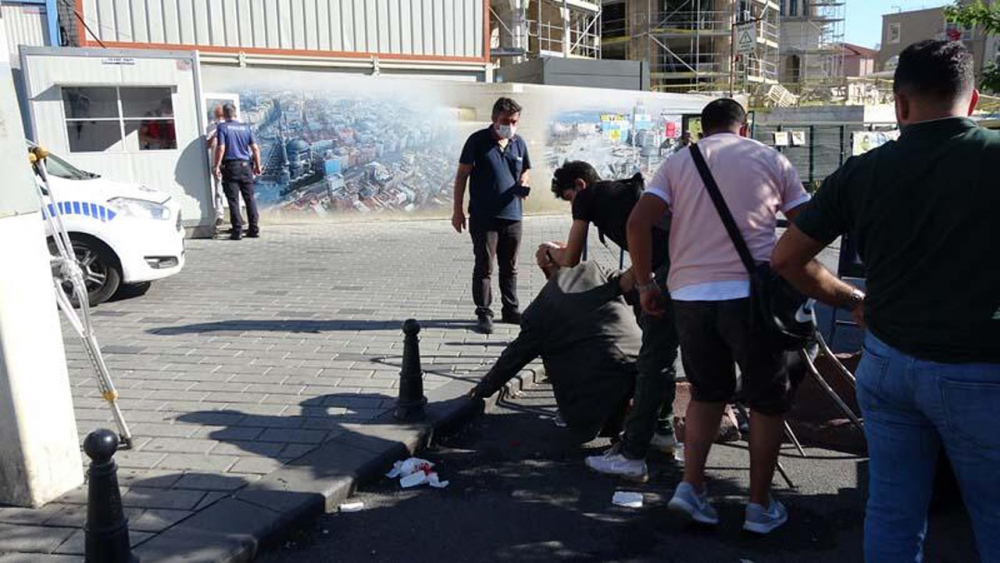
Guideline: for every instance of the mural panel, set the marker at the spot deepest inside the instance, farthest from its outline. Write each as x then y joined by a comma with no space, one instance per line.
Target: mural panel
337,144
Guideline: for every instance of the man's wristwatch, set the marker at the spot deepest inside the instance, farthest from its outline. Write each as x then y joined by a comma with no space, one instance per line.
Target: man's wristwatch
856,298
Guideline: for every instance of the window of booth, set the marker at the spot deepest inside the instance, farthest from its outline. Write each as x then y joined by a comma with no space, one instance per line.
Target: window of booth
113,118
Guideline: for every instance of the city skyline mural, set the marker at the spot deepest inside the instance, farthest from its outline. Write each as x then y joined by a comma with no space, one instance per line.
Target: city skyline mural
618,141
339,144
325,154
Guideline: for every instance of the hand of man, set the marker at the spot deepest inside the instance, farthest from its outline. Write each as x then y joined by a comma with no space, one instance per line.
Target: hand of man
256,170
543,256
652,302
458,220
217,172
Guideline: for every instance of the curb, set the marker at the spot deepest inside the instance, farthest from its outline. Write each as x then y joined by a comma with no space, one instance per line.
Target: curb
236,527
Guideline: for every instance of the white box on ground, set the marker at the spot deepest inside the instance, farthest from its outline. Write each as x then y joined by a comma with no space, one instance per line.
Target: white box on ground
627,499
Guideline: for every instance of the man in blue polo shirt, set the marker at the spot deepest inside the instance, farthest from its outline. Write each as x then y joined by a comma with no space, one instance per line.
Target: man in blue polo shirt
237,163
495,164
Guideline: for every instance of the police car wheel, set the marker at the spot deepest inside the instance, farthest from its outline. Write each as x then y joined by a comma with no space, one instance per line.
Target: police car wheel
100,270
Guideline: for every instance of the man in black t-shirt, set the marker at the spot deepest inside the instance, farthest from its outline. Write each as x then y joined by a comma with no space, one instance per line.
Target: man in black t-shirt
607,205
923,211
495,164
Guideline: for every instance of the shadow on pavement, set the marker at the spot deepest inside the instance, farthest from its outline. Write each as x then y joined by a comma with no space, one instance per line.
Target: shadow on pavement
464,368
301,326
520,492
318,454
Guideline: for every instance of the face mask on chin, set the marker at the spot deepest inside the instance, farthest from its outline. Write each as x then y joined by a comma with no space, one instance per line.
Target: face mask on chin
505,131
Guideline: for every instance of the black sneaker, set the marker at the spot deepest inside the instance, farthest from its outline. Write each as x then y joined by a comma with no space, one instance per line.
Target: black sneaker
484,325
235,236
253,234
511,318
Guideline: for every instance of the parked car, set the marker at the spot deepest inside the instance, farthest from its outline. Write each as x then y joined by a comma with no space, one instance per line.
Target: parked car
124,235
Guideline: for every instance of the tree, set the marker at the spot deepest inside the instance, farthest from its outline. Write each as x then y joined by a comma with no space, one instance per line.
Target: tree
987,19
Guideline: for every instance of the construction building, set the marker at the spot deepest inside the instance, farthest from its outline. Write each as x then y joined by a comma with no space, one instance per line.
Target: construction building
691,44
812,53
530,29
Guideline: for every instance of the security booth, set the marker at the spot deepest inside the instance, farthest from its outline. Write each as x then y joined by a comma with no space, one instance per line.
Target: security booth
129,115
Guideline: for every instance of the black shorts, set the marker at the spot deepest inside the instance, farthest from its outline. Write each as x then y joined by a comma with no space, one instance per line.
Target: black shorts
715,335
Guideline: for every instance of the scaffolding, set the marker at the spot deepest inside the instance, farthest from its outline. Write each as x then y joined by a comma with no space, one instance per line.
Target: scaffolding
528,29
812,52
690,43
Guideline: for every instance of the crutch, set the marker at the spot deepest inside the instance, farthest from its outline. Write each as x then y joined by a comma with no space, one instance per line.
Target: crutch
807,309
826,351
833,394
69,272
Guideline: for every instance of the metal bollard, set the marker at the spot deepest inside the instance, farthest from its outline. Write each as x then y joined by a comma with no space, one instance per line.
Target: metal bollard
410,406
106,531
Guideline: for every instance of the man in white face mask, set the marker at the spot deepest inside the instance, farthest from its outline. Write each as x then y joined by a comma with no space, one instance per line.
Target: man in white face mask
495,165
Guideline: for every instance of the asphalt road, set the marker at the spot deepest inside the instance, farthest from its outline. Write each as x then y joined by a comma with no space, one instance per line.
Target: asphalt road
519,494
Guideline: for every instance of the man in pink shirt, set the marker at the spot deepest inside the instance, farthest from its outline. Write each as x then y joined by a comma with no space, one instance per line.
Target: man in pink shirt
710,288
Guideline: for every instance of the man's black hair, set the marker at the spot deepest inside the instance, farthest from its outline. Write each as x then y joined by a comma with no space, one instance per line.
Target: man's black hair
565,177
505,105
229,110
722,114
935,70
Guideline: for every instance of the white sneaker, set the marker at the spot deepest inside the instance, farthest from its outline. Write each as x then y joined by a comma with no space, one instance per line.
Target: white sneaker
665,443
762,520
694,505
614,463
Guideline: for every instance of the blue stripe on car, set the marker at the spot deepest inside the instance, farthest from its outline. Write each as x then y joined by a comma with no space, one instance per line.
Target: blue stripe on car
99,212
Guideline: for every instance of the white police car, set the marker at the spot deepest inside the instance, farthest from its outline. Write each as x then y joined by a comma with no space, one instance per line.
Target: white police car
124,235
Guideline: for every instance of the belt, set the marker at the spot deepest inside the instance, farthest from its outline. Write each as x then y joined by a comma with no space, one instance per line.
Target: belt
228,160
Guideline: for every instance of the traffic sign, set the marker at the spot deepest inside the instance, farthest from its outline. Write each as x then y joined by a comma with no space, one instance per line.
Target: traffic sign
746,38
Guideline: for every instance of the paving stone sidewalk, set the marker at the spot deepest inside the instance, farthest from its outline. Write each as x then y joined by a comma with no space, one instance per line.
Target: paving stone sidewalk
270,365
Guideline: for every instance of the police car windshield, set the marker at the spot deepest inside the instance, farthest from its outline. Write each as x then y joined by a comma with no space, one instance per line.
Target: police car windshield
62,169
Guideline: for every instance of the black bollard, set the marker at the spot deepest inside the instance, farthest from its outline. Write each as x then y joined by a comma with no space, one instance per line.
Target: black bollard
410,406
106,531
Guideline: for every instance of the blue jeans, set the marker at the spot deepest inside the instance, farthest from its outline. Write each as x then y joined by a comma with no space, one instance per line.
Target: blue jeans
911,408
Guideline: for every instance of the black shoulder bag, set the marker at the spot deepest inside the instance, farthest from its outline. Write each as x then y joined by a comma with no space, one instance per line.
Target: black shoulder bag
775,301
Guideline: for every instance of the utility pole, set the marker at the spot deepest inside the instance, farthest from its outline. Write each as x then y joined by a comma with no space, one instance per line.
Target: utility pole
732,48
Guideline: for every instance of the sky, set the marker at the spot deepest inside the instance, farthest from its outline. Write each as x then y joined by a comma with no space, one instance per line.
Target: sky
864,17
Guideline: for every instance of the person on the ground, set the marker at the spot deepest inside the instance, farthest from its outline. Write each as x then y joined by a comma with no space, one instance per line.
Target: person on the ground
923,211
588,340
236,164
210,142
710,288
495,163
607,205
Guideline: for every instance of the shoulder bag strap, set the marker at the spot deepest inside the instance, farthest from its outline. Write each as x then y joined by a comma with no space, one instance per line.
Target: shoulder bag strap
723,209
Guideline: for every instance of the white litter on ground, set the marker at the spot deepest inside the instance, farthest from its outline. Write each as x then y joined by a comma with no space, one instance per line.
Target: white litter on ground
627,499
351,507
414,472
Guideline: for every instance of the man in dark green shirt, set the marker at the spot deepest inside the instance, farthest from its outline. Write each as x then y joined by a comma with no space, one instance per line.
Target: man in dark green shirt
924,213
